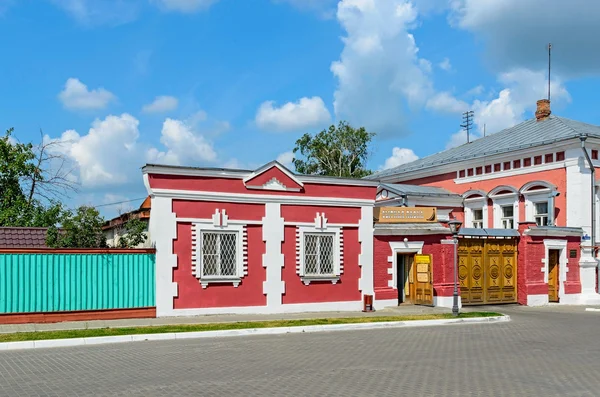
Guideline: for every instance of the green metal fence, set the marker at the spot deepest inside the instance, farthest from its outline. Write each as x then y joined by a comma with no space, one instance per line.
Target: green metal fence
41,282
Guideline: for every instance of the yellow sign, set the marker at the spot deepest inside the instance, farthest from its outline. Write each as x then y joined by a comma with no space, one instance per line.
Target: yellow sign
423,263
405,214
422,259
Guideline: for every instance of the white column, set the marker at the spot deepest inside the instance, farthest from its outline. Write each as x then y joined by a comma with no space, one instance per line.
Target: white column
365,259
163,230
273,259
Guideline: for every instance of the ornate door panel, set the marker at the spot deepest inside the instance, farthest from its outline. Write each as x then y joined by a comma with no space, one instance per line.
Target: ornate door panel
553,276
424,280
487,271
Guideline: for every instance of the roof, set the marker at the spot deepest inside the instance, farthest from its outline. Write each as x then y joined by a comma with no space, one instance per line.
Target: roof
415,190
241,174
23,237
528,134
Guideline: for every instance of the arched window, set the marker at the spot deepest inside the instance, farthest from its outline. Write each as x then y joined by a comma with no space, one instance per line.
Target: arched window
476,211
505,207
539,202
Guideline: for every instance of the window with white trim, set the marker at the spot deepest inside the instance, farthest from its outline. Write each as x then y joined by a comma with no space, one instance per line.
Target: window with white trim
319,253
219,253
540,210
477,215
219,256
508,217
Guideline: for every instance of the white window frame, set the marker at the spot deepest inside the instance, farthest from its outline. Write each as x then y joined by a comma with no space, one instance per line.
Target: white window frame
538,196
504,218
537,215
338,267
241,265
502,201
479,203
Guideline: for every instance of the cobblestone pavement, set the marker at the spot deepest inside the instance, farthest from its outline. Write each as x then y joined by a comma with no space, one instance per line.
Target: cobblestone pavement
541,352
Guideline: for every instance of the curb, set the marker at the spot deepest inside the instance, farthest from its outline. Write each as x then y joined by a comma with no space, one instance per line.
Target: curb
591,309
101,340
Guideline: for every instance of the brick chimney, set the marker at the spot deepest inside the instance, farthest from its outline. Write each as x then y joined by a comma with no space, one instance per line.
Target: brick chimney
543,110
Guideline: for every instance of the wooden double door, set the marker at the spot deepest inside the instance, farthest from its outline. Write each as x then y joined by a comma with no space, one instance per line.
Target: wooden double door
487,271
414,279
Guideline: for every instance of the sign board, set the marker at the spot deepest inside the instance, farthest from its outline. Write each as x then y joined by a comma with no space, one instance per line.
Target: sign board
422,277
405,214
423,263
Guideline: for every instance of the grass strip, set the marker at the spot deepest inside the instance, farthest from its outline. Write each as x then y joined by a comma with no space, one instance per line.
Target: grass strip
89,333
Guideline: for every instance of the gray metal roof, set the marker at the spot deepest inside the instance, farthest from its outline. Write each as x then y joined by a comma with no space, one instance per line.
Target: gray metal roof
415,190
530,133
473,232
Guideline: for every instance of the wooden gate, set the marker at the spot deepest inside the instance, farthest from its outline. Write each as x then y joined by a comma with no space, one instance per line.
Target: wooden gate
487,271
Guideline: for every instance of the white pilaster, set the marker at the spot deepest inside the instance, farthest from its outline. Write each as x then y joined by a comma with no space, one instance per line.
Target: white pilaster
273,259
163,229
578,192
365,259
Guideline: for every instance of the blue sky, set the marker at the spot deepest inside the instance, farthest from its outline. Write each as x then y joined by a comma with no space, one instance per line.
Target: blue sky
234,83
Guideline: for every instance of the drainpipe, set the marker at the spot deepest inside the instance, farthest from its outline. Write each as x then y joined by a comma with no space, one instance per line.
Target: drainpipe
583,137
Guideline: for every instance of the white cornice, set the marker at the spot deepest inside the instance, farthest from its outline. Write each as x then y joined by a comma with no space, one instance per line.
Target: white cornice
260,198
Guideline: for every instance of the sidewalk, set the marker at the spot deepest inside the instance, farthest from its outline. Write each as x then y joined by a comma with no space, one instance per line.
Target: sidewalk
221,318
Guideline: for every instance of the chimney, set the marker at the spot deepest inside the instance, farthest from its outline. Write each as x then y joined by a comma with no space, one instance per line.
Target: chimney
543,110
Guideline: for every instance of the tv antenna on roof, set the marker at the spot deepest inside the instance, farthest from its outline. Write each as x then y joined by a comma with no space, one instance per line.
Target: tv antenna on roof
468,124
549,67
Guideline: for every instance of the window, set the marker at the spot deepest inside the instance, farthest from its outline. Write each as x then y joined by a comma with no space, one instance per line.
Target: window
470,172
537,160
560,156
219,254
594,155
488,169
497,167
507,216
461,173
318,254
517,164
506,165
527,162
479,170
478,219
549,158
541,213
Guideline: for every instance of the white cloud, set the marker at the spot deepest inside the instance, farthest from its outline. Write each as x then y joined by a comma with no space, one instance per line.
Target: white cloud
478,90
104,12
76,95
307,113
445,65
184,146
571,26
108,155
399,156
446,103
286,159
161,104
185,6
379,71
460,138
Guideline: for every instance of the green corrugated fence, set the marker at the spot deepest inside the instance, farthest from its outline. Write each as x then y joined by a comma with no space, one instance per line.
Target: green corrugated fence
40,282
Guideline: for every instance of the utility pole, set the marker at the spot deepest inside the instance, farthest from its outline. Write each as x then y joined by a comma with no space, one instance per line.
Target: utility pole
468,124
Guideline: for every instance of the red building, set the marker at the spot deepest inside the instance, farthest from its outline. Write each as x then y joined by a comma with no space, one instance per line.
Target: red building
240,241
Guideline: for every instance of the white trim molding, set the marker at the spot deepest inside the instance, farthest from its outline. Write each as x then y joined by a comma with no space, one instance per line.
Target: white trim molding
401,247
563,269
320,228
365,258
241,254
274,183
273,260
478,203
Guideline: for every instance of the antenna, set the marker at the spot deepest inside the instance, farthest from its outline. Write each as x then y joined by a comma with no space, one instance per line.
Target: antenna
467,123
549,67
484,130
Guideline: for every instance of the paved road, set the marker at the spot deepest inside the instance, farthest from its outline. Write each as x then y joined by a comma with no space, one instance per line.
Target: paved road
542,352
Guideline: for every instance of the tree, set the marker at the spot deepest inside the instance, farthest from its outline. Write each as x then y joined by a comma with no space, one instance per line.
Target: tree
79,229
30,185
340,151
132,233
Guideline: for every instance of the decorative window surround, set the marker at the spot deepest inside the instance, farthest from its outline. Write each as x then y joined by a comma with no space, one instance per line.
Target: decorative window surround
320,227
504,200
220,224
538,196
479,203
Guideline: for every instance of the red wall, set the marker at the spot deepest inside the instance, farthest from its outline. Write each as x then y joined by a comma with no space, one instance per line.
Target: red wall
306,213
228,185
192,295
346,289
442,257
206,209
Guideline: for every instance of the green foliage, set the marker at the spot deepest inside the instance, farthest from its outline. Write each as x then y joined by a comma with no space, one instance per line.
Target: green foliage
17,208
134,234
340,151
79,229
